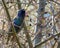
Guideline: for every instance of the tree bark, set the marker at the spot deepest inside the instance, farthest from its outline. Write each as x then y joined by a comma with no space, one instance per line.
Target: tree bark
41,11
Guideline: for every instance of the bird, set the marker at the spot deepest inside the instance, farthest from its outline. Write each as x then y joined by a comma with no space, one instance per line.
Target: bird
17,22
19,19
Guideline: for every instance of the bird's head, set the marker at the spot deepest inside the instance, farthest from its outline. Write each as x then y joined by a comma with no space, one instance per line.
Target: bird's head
21,13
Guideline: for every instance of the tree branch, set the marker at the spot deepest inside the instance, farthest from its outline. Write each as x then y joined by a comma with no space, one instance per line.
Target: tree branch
39,44
9,19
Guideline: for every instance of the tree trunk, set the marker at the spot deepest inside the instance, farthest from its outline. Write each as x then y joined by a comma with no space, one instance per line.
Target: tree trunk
41,11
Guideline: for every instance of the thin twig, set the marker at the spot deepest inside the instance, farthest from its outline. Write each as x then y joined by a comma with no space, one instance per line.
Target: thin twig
39,44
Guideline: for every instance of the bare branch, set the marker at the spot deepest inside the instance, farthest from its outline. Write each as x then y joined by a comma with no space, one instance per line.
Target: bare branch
9,19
